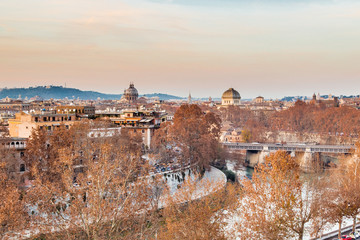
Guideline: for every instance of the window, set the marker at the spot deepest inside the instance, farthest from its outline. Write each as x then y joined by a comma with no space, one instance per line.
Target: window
22,167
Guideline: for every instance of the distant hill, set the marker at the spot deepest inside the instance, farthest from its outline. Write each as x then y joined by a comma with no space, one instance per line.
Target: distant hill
58,92
161,96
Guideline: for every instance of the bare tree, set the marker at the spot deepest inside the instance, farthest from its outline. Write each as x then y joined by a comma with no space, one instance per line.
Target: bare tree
343,195
97,186
194,134
193,213
277,203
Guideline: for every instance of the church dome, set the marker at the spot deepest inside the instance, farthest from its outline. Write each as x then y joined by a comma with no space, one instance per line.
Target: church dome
131,90
231,93
131,94
230,97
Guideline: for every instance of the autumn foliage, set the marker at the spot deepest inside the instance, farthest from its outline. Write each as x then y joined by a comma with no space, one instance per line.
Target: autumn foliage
193,138
301,118
94,187
13,214
277,203
203,218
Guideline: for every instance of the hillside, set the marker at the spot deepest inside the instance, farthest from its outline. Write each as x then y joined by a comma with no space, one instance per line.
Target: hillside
58,92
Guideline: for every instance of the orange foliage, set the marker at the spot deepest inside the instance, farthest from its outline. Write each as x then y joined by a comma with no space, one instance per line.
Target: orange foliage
193,133
301,118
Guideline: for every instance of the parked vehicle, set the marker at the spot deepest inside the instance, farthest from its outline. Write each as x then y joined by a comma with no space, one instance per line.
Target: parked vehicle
346,237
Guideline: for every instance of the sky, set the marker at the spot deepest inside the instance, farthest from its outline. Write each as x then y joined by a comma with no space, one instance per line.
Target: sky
272,48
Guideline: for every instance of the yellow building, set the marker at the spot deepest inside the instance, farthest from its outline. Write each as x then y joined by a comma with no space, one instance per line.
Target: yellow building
87,111
23,123
232,137
259,99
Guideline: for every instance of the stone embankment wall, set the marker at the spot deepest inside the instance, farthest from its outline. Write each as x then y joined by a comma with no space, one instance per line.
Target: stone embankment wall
211,181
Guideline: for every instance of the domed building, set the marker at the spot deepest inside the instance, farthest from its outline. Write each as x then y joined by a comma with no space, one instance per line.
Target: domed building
230,97
131,94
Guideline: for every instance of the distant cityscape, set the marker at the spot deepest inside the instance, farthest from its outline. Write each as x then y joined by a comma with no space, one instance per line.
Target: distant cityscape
247,131
61,92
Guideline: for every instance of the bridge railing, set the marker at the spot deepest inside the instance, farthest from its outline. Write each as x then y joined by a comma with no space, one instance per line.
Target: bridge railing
291,147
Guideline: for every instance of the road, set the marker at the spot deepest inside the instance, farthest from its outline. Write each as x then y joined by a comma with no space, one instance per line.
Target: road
333,235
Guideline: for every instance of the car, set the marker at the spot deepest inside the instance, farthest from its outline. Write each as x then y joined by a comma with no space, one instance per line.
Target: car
346,237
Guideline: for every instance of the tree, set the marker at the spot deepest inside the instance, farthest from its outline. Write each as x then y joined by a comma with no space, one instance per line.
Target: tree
188,215
277,203
332,123
343,195
42,150
98,187
246,135
193,134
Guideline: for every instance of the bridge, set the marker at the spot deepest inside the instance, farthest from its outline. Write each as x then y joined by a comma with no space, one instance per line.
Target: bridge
257,152
291,147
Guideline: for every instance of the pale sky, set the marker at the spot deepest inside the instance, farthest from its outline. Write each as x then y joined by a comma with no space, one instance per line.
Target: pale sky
272,48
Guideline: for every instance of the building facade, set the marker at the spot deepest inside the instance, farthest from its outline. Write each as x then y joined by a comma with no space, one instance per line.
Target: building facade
13,153
23,124
80,111
14,106
142,122
330,102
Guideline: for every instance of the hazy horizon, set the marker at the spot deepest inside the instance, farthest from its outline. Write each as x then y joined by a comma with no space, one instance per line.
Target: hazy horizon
272,48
